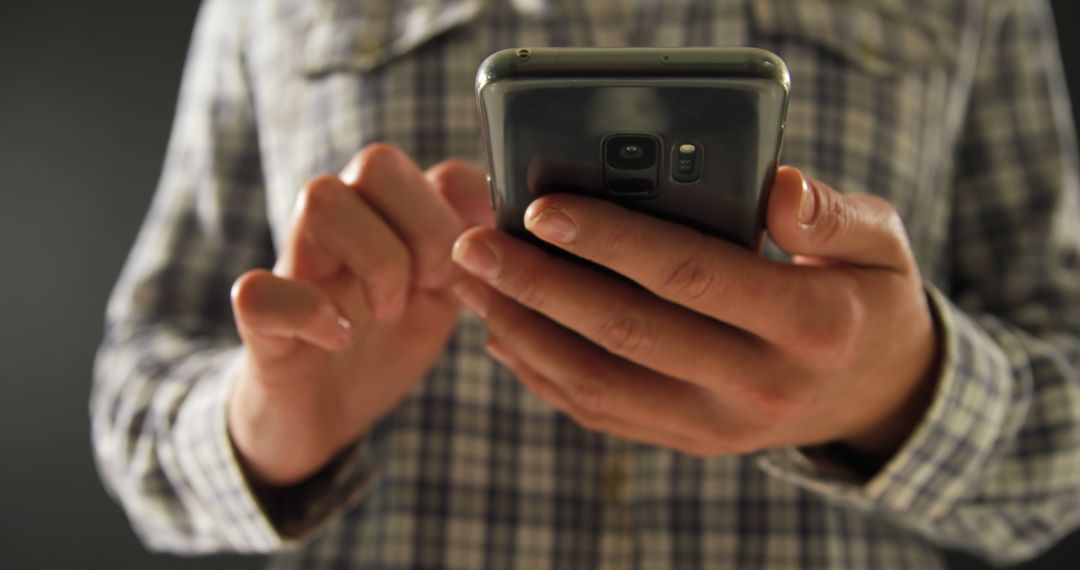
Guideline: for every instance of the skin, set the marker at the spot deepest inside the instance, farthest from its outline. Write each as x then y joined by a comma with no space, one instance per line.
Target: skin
703,347
355,312
707,348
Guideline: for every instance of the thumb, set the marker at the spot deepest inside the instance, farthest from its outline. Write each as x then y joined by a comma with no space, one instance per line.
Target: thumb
815,223
465,188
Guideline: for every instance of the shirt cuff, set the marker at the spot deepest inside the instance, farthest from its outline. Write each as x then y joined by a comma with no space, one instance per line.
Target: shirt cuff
948,450
250,519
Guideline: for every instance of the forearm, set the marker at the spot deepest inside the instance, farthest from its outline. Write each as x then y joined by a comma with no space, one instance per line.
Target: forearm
164,451
159,437
992,466
167,365
1024,490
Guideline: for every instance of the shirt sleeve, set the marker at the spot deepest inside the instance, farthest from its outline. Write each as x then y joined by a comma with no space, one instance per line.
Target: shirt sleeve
994,466
170,352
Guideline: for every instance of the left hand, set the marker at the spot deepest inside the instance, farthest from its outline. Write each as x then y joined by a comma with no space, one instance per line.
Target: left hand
716,349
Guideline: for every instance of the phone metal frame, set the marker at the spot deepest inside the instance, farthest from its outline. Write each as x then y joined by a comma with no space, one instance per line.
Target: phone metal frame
698,67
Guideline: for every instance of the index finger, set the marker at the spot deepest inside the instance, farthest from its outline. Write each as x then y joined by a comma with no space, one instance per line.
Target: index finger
387,179
708,275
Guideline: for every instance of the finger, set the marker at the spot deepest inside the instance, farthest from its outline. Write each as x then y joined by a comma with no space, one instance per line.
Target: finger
602,385
555,395
705,274
810,219
334,229
465,188
392,183
736,406
274,314
614,314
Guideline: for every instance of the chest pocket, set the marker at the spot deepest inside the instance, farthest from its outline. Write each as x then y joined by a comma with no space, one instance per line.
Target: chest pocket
363,35
400,71
870,86
880,37
362,71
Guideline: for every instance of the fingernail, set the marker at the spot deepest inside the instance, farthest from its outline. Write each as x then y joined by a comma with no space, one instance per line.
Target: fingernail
344,331
808,203
350,173
552,224
477,258
473,297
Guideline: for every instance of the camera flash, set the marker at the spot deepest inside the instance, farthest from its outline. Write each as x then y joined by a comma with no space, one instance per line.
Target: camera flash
687,163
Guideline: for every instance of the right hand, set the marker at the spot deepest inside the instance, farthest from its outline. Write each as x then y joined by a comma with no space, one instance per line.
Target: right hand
355,312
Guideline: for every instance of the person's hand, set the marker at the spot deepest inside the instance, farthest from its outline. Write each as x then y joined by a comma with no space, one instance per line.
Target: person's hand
708,348
354,313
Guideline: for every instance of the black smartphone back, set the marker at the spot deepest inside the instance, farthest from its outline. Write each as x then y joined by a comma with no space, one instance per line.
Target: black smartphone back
691,135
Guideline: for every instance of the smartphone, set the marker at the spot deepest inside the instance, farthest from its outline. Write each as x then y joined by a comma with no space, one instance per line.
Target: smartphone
691,135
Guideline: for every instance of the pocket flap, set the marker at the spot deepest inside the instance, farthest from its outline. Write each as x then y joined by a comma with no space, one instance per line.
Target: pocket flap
361,36
881,37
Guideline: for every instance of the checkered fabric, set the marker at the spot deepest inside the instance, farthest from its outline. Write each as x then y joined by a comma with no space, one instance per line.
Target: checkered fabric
954,110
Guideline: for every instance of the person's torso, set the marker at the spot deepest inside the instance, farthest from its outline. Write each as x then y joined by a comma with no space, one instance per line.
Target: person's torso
474,470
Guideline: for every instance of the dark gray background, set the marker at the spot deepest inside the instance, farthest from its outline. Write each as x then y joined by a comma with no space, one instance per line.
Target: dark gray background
86,97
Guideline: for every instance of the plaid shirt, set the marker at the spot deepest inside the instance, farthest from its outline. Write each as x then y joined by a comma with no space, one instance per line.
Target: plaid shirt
954,110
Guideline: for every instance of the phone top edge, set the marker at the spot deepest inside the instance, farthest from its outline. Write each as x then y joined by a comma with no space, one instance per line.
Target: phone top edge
544,62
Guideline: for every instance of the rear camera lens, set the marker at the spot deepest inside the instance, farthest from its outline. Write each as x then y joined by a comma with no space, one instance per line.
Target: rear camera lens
631,152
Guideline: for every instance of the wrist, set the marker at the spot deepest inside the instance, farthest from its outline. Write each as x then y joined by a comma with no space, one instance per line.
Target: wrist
279,435
877,444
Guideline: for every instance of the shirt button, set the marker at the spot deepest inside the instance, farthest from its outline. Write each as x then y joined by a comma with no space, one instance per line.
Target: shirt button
616,479
869,48
371,46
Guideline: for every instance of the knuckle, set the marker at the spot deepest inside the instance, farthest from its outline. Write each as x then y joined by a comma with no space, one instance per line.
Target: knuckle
626,334
774,402
377,162
591,397
892,221
318,194
449,173
840,220
812,331
689,279
609,245
247,290
380,152
388,266
883,215
839,330
529,292
899,246
827,329
848,316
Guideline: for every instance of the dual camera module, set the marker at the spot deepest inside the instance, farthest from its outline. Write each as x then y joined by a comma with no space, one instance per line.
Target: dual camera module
632,163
